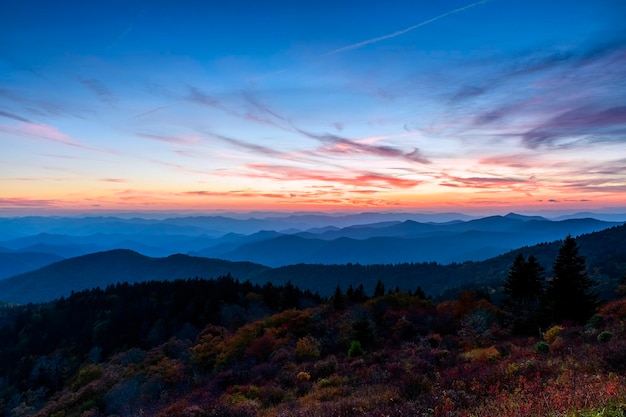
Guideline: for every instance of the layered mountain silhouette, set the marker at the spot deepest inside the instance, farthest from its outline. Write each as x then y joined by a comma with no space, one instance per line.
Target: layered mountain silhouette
27,243
13,263
605,252
407,241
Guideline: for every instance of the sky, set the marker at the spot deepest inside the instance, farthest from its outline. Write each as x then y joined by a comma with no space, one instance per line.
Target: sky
487,106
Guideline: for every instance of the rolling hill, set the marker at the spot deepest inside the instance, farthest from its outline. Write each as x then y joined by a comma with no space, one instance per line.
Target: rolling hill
605,252
13,263
106,268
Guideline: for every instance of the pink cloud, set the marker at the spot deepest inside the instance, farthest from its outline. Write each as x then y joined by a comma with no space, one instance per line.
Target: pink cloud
41,131
177,140
512,161
27,202
491,183
113,180
358,179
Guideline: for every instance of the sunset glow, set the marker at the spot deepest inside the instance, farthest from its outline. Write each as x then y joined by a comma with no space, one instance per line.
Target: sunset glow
494,106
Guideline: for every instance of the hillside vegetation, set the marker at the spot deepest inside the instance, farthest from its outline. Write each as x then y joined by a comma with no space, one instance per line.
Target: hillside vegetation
228,348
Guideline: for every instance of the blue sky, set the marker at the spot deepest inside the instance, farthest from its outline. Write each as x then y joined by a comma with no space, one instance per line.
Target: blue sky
202,105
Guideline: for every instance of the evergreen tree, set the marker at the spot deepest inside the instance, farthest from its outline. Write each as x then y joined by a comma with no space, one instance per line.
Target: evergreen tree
339,302
569,295
379,291
524,283
524,288
359,295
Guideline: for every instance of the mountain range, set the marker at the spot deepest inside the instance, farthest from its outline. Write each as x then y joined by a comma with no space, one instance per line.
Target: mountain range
605,252
280,241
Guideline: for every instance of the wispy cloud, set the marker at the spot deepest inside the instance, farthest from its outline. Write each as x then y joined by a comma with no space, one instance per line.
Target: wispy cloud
601,124
234,193
257,149
114,180
154,110
195,95
28,202
99,89
512,161
340,145
357,179
14,117
176,140
406,30
41,131
525,186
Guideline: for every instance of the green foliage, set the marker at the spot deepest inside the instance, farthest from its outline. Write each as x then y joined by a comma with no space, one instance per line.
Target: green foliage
604,336
307,348
356,350
86,374
541,347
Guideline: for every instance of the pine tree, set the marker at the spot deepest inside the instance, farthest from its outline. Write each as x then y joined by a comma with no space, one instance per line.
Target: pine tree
379,291
339,302
524,288
524,283
569,295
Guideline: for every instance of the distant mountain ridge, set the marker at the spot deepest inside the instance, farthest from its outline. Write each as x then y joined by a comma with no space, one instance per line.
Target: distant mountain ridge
280,241
406,241
13,263
119,265
605,252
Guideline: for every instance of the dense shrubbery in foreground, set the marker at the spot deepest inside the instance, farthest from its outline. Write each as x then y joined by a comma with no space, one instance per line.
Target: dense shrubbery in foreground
397,354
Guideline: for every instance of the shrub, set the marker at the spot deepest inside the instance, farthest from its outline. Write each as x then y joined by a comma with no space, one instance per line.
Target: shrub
272,395
307,348
303,376
262,348
325,368
552,333
613,355
86,374
605,336
482,354
356,350
541,347
558,345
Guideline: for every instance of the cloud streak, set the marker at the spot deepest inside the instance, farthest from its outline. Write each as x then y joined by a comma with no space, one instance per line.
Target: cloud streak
340,145
99,89
406,30
354,179
42,131
175,140
14,117
600,124
252,147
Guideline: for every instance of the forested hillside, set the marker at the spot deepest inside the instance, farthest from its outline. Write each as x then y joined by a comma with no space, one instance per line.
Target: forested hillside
223,348
228,348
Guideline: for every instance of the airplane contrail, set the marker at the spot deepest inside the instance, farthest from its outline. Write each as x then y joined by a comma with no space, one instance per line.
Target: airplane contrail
403,31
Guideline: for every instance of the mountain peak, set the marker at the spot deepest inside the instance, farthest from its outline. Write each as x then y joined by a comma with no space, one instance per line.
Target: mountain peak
524,218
